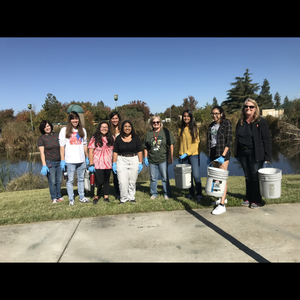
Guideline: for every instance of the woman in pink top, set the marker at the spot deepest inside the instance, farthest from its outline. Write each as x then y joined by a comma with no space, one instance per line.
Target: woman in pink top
101,148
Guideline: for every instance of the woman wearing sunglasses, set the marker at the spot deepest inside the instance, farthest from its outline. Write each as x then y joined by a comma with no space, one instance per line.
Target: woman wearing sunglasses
219,140
253,146
158,142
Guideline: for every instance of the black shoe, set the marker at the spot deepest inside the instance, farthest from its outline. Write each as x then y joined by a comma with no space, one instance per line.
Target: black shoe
106,199
95,200
133,201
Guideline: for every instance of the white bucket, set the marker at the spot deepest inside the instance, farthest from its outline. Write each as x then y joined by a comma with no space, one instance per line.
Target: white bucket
216,181
183,176
270,182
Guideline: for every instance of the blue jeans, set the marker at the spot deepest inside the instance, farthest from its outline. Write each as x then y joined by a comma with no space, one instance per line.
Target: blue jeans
80,168
163,170
194,161
54,178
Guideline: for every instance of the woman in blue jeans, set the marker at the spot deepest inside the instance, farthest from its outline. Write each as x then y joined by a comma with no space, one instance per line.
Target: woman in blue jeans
49,149
189,150
74,155
158,142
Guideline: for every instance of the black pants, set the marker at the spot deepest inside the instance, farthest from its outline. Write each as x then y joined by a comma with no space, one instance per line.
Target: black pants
251,167
103,180
116,184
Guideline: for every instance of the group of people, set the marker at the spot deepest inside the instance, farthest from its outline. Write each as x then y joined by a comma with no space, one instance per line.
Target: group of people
116,148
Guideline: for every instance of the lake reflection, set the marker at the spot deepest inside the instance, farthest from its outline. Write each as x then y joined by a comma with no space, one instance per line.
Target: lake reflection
286,156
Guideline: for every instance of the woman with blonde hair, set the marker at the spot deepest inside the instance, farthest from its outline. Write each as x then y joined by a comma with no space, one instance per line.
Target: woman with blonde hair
157,145
253,146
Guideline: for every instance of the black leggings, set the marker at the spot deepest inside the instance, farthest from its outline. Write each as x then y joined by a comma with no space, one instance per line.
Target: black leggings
103,179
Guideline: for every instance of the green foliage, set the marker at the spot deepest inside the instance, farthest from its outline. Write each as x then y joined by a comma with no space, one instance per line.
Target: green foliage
264,100
277,100
6,115
242,89
53,109
189,103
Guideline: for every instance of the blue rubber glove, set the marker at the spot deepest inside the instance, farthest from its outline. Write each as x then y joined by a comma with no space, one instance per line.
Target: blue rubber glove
140,167
114,168
62,165
92,169
220,160
45,170
87,161
183,156
207,160
146,162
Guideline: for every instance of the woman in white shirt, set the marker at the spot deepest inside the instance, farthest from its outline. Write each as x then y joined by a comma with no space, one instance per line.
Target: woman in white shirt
74,154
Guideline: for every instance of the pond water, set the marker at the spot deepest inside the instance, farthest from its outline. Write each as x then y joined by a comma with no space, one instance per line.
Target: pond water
286,156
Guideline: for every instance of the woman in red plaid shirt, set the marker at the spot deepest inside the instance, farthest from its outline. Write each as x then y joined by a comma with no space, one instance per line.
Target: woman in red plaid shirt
219,140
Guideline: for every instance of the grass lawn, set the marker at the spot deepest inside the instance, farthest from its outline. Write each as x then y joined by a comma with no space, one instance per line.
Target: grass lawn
35,205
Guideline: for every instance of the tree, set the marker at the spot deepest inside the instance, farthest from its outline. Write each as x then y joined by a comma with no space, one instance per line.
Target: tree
264,100
242,89
189,103
286,100
140,106
277,100
6,115
53,109
215,102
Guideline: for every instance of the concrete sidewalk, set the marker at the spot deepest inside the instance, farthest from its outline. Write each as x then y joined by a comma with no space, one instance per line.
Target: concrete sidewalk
268,234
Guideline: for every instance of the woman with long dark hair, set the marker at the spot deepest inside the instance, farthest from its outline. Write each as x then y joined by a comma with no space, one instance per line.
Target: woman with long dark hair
127,161
49,149
219,140
100,155
115,122
189,150
74,154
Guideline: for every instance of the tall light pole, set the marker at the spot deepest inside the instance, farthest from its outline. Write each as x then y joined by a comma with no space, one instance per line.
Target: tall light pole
30,106
116,99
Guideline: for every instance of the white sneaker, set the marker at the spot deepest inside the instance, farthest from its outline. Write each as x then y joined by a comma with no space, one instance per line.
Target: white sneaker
153,197
218,202
54,200
219,210
72,202
84,200
166,197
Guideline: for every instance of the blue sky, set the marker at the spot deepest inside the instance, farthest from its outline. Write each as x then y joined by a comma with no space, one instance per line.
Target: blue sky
158,71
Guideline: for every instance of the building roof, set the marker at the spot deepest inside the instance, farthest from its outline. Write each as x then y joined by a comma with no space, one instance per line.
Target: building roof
75,107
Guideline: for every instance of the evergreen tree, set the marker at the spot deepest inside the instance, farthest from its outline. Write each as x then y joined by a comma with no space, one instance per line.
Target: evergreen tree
286,100
242,89
53,109
215,102
264,100
277,100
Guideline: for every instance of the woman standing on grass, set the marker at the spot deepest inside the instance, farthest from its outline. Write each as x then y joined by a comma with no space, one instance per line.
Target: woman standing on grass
49,149
189,150
219,140
100,155
74,154
253,146
115,129
157,144
127,161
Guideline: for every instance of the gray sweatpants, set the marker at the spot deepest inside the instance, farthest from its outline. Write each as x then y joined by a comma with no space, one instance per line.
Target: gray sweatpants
127,171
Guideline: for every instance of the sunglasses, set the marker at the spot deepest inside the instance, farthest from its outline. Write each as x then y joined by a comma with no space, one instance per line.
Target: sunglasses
155,122
250,106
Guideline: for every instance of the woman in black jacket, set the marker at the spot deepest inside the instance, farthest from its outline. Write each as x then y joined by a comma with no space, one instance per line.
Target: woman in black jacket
219,140
253,146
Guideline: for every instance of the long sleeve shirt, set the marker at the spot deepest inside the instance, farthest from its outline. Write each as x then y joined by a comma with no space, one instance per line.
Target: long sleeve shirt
185,143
